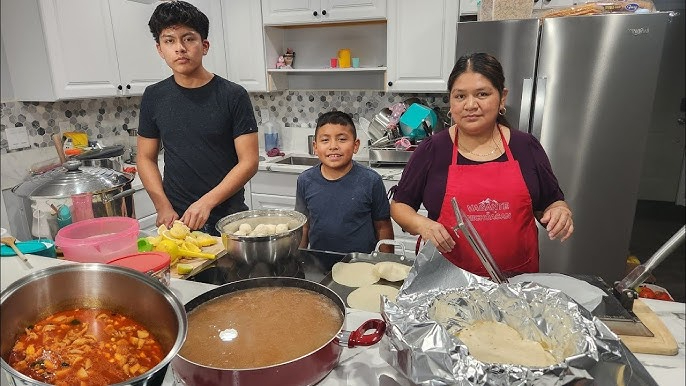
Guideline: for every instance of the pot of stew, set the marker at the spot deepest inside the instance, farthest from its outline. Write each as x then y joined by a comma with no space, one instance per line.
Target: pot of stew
267,331
89,324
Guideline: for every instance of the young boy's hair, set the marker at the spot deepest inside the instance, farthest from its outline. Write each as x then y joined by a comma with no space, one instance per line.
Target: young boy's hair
336,118
176,12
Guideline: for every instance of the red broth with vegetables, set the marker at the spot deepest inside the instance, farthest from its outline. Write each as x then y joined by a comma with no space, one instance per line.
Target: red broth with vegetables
85,347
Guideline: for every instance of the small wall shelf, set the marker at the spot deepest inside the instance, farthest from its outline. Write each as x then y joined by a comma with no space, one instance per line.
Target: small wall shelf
325,70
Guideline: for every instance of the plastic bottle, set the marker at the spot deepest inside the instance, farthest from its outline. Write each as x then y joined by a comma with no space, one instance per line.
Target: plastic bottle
272,132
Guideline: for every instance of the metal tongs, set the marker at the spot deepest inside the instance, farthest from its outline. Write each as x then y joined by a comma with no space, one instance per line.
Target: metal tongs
464,225
624,289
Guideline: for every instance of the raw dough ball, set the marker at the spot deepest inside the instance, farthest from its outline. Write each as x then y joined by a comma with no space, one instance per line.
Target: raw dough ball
496,342
270,229
245,227
281,228
354,274
240,232
259,229
391,271
368,298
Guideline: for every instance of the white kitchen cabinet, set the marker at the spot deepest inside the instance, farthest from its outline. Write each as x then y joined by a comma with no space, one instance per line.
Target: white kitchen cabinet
245,43
421,44
139,63
273,190
408,240
66,49
285,12
271,201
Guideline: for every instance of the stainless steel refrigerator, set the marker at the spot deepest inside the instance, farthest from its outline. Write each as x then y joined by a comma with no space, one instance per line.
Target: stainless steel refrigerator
584,86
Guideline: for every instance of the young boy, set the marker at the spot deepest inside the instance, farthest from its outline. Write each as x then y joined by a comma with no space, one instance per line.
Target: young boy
206,124
345,203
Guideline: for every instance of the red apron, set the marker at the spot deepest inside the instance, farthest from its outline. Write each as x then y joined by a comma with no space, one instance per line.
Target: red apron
494,197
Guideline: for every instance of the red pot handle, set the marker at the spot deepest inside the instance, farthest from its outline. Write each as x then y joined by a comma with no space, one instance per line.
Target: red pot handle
358,337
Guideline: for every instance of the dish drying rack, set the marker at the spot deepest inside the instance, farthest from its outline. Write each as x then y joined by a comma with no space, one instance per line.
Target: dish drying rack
382,149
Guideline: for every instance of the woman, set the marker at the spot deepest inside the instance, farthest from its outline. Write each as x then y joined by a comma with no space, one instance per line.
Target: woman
500,177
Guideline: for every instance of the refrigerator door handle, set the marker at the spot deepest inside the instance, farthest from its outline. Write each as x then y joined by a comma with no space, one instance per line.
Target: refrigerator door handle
539,104
525,108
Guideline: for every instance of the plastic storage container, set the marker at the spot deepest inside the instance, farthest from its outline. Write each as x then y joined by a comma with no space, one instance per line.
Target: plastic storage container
98,240
155,264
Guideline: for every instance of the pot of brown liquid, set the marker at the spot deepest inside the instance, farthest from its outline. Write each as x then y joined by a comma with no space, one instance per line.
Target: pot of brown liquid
198,361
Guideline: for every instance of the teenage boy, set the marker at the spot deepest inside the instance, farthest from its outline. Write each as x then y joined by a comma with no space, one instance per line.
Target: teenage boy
345,203
204,122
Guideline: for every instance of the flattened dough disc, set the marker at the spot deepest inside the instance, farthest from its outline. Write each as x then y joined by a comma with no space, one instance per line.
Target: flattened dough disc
368,298
354,274
496,342
391,270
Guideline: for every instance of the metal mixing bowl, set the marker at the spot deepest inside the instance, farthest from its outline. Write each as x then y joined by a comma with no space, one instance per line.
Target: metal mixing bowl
119,289
265,249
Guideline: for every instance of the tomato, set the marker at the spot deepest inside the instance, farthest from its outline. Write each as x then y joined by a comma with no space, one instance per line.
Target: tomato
659,295
646,292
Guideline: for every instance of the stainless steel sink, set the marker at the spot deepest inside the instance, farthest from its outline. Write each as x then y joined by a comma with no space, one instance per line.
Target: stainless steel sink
296,160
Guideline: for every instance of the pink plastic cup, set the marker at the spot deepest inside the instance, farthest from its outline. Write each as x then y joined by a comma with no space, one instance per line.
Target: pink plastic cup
82,206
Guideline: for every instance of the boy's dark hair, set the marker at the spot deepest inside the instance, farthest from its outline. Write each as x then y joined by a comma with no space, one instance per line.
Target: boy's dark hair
176,12
336,118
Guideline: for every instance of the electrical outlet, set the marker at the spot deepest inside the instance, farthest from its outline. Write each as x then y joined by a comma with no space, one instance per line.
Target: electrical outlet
17,137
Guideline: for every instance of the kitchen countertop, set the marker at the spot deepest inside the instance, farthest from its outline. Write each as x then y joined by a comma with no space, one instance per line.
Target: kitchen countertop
364,366
392,173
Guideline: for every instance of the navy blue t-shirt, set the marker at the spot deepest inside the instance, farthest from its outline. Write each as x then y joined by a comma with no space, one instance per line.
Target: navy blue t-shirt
197,127
341,213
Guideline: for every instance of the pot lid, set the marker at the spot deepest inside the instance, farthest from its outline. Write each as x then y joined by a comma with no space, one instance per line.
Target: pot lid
143,262
105,152
72,178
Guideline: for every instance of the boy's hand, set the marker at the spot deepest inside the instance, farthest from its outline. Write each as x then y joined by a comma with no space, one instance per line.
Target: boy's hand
196,215
166,217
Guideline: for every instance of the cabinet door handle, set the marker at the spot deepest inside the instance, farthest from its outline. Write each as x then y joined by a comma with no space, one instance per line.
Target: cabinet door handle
128,87
324,12
390,83
120,87
314,13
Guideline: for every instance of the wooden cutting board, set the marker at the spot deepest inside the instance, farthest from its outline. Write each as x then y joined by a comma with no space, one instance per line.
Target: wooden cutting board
662,343
217,250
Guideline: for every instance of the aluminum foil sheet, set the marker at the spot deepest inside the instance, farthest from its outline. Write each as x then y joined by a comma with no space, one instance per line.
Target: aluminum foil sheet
429,353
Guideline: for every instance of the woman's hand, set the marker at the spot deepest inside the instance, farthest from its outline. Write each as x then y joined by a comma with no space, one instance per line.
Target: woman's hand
558,221
166,217
436,233
197,214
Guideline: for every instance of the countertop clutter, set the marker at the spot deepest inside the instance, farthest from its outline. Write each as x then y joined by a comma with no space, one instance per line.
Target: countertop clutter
364,366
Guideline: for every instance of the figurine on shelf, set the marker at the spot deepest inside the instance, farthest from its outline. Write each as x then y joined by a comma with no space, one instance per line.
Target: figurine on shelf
280,63
288,58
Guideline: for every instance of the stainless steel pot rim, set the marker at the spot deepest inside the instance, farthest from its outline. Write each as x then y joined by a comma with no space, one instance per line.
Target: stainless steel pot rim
149,280
301,218
270,278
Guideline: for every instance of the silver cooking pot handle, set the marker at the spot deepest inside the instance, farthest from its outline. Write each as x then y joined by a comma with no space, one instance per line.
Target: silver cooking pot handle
126,193
390,242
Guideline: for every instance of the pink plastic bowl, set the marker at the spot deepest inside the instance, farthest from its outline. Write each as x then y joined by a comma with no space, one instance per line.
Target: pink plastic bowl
98,240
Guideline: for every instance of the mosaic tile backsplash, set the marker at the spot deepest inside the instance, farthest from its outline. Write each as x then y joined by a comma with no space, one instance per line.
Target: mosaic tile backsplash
112,118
